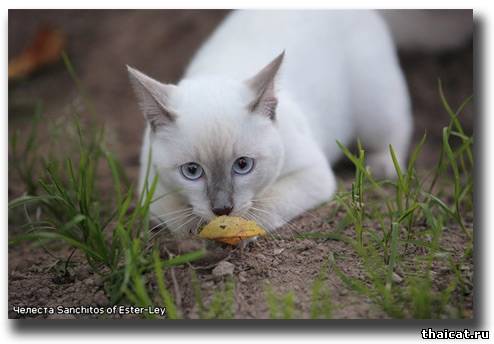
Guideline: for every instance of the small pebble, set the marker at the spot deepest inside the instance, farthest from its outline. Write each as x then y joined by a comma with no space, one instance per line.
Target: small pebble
44,292
100,298
89,281
82,274
208,284
242,277
396,278
224,268
277,251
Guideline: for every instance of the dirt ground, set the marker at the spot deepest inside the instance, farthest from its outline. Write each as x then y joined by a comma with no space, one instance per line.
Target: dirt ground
160,43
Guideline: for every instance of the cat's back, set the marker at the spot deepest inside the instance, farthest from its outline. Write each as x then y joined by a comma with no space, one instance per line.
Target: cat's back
247,40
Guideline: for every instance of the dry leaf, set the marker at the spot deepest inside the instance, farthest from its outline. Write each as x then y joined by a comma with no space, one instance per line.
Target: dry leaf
231,230
45,49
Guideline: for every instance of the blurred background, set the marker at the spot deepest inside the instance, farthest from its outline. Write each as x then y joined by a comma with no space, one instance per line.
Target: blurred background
99,44
46,93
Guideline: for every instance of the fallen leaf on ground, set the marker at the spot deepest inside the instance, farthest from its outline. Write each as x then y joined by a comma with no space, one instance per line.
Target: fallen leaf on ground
45,49
231,230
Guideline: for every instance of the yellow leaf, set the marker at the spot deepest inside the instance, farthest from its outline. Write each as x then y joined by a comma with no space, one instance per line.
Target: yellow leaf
45,49
231,230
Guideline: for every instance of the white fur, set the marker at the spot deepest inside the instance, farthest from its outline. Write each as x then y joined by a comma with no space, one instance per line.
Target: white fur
339,80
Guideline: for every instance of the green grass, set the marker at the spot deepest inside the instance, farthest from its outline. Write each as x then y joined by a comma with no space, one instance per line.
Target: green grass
321,306
112,239
280,306
111,231
396,228
410,214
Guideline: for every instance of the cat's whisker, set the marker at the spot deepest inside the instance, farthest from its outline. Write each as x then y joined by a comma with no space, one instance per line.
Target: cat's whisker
198,225
177,219
271,230
164,224
264,216
171,220
244,208
285,222
188,217
288,223
250,216
186,222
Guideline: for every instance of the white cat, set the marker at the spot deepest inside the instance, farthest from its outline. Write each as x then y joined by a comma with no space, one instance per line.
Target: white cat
243,136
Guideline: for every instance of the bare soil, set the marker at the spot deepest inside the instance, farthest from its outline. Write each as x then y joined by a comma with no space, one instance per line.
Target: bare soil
160,43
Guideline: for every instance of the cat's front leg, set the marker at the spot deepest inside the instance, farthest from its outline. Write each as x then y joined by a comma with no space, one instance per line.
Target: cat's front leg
293,194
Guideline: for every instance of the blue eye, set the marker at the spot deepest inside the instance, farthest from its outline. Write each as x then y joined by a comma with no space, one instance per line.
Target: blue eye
191,171
243,165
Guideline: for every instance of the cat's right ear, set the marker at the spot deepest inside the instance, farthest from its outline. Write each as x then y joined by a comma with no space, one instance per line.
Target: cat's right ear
153,98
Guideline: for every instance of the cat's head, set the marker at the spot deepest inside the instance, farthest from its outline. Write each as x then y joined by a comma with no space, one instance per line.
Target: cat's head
214,139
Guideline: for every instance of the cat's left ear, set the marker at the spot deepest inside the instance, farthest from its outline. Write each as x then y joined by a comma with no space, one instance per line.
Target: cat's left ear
263,86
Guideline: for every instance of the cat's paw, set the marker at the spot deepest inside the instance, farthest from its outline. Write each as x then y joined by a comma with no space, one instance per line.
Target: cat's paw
381,165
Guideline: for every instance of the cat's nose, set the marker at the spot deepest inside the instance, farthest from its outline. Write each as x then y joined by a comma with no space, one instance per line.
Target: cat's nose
222,211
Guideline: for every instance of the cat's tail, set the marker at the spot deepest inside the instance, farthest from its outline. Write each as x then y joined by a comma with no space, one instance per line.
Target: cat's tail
429,30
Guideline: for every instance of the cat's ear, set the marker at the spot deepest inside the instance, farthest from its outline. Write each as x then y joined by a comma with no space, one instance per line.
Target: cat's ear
263,86
153,98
